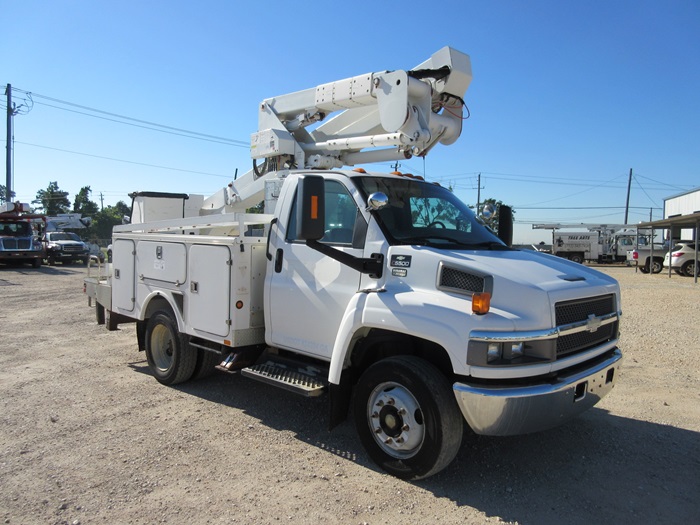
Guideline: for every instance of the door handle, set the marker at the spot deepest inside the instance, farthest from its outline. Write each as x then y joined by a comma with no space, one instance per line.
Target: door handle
279,256
269,234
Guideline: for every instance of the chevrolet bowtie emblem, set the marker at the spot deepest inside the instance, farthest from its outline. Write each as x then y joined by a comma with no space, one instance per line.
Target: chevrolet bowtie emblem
593,323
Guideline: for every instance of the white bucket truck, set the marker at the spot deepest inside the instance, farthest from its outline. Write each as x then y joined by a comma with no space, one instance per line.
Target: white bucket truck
382,291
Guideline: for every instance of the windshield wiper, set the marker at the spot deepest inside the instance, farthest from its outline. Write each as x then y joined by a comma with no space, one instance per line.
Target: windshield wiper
490,245
424,240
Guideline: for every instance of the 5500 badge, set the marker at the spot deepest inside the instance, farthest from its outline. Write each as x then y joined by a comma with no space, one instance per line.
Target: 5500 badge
399,264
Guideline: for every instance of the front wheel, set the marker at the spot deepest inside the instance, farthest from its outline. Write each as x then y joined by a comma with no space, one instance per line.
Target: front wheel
168,352
576,258
407,417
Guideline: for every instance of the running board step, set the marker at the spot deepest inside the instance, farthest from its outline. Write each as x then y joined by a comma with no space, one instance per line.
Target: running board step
300,378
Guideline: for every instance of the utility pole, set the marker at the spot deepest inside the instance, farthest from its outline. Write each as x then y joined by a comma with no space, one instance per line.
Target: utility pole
8,147
627,205
102,202
478,193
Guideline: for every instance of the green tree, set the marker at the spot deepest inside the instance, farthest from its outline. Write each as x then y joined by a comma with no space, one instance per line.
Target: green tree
52,200
103,221
82,203
3,193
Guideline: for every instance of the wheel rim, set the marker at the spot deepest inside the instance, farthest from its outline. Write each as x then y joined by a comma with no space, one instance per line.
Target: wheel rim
162,344
396,420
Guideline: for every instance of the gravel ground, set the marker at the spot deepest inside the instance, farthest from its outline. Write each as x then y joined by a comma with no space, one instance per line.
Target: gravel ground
88,436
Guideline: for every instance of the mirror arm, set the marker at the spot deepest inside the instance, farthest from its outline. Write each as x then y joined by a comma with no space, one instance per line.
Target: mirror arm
372,266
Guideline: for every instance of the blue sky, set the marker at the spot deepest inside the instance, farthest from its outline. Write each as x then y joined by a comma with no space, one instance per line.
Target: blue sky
566,96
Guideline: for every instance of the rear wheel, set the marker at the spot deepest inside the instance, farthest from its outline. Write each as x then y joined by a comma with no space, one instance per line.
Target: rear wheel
657,266
168,352
577,258
206,361
100,313
407,417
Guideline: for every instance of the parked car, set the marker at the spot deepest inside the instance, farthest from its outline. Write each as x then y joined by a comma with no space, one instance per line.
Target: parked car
65,247
682,257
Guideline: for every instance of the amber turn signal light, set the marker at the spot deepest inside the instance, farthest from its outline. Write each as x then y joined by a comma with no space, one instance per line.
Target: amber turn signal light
481,302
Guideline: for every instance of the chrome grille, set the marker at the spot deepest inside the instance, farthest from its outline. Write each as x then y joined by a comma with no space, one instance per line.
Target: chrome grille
16,244
579,310
72,248
453,279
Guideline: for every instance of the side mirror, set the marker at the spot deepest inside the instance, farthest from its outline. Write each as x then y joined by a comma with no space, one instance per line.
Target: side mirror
487,212
377,201
311,208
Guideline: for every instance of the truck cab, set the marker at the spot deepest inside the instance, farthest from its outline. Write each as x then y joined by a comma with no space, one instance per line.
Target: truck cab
20,232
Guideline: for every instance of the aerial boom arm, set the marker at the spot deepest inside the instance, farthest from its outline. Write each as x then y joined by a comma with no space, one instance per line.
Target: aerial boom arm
383,116
404,113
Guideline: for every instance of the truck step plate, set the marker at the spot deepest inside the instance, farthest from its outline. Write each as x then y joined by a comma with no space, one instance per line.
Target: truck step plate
295,377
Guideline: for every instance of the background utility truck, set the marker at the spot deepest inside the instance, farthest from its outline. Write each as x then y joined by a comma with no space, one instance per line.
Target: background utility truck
20,235
601,243
382,291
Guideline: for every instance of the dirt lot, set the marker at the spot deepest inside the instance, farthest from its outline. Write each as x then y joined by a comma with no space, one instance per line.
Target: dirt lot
88,436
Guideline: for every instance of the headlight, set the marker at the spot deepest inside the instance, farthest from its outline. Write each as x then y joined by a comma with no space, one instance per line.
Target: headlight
492,353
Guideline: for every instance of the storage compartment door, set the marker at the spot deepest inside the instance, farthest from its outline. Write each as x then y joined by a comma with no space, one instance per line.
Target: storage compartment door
123,275
209,291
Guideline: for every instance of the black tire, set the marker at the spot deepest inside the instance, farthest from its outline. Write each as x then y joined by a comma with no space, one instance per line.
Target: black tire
99,313
111,321
168,352
657,266
52,261
577,258
206,361
678,271
643,269
36,263
407,417
688,269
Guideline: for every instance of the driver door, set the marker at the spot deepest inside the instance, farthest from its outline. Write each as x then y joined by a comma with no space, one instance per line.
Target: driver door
307,292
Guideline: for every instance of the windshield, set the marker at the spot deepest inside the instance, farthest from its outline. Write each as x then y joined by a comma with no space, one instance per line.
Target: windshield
15,229
63,236
427,214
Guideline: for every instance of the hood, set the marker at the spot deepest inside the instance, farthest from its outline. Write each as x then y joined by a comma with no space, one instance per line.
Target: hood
525,284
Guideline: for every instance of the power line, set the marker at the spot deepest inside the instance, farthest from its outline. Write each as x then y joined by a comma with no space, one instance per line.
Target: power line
191,135
145,123
125,161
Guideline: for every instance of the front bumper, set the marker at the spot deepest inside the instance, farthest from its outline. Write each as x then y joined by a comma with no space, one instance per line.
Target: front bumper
60,255
514,410
20,256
